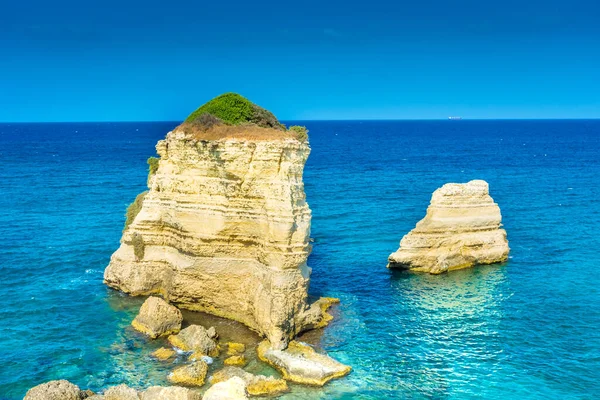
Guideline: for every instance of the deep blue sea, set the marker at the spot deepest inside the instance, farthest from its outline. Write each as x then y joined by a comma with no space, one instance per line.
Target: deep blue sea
529,329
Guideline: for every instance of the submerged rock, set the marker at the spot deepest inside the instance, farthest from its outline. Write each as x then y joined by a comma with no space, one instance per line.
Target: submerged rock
300,363
55,390
157,318
195,338
163,353
169,393
231,389
225,226
238,361
192,374
257,385
234,349
462,228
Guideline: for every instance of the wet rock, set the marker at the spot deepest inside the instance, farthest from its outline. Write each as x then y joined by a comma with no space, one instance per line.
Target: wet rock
157,318
300,363
195,338
191,375
234,349
163,353
238,361
257,385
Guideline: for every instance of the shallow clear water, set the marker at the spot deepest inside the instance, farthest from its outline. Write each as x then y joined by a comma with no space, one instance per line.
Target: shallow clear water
526,329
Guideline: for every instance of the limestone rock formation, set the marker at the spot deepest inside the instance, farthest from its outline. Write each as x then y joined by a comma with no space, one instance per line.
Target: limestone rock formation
238,361
300,363
462,228
157,318
195,338
55,390
225,226
191,374
169,393
257,385
232,389
121,392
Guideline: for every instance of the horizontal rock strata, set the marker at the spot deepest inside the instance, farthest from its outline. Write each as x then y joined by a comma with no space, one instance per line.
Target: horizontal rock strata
462,228
225,229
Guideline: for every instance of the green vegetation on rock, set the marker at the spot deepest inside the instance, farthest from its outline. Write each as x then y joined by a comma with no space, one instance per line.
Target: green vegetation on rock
234,109
134,209
152,165
300,132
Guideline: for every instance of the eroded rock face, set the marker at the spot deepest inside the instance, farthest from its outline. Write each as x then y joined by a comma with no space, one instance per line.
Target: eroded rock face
224,229
231,389
300,363
257,385
55,390
462,228
157,318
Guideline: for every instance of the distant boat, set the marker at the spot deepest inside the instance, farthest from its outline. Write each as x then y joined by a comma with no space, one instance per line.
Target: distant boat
454,118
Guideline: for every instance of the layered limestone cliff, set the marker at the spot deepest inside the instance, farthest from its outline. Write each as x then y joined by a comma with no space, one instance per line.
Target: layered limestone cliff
462,228
224,229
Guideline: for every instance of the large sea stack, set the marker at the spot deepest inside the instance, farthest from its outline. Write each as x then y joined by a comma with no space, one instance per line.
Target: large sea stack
224,227
462,228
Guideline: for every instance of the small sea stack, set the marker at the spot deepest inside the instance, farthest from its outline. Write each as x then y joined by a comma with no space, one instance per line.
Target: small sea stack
462,228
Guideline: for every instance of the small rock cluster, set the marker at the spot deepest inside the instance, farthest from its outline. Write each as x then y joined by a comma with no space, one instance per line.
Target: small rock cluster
298,363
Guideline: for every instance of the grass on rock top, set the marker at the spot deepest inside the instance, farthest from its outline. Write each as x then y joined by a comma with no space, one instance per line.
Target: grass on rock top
232,115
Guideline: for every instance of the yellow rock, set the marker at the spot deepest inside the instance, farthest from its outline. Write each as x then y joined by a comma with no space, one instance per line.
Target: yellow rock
235,348
257,385
190,375
238,361
163,353
300,363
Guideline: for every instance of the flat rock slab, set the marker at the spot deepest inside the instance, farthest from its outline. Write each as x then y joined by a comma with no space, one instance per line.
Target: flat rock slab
231,389
300,363
157,318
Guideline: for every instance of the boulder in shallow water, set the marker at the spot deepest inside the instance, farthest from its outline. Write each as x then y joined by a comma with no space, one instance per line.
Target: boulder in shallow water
462,228
169,393
231,389
257,385
55,390
300,363
238,361
163,353
195,338
234,349
157,318
191,374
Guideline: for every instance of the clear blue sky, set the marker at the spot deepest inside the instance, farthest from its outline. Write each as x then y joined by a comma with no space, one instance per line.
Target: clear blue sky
158,60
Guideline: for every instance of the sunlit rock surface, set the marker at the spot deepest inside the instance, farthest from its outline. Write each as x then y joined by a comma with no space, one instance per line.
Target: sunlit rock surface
462,228
224,228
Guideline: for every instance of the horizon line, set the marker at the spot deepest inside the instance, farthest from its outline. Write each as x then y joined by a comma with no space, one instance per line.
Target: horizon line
462,119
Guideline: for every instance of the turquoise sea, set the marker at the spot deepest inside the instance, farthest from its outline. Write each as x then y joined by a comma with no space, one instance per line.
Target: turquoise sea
529,329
